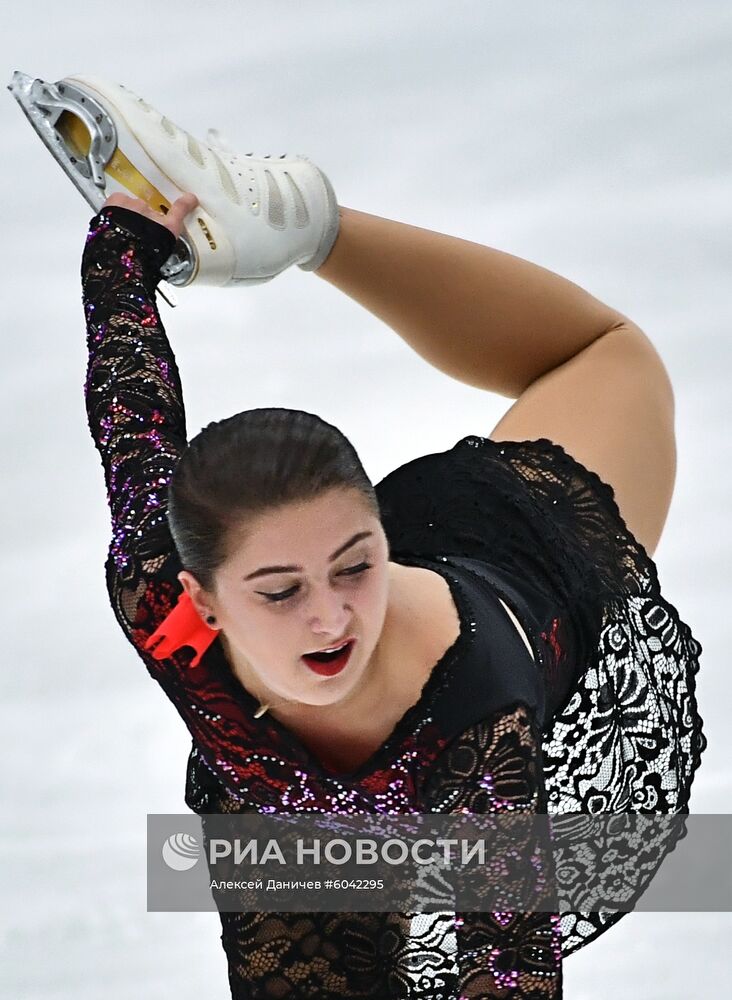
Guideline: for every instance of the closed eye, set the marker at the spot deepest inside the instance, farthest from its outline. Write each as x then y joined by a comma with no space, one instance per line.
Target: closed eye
282,595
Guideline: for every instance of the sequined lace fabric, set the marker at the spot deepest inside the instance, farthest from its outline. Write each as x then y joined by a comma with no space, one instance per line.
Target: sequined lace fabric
604,720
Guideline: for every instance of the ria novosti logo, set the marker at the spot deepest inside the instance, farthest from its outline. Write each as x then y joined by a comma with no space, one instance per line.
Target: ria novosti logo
181,852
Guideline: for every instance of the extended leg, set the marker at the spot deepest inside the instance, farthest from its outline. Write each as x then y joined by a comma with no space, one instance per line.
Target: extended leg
483,316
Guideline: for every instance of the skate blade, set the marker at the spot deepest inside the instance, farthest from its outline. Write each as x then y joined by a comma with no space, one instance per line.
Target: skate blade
82,138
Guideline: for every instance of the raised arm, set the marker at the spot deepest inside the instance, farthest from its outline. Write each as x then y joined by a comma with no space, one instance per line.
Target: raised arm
133,396
136,417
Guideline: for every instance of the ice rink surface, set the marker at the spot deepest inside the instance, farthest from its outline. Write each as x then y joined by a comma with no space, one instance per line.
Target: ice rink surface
593,139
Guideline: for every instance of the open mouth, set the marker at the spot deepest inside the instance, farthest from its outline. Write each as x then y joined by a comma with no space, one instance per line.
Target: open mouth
330,663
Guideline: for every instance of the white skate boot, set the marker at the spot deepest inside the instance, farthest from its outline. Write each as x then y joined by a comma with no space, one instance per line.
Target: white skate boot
257,215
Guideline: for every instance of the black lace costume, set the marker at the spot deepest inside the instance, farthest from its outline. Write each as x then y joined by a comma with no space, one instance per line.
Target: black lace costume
602,717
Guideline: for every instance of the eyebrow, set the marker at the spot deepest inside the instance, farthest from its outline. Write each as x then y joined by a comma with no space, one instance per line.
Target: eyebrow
298,569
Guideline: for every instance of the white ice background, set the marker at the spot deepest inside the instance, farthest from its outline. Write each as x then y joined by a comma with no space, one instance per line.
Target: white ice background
592,138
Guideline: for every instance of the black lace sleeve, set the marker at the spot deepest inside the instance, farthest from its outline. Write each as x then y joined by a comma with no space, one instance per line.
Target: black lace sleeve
134,404
133,396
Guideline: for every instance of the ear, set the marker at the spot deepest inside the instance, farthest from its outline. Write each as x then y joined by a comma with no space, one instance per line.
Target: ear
195,591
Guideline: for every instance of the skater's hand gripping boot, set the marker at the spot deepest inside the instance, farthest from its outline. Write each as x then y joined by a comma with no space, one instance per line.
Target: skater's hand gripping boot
173,219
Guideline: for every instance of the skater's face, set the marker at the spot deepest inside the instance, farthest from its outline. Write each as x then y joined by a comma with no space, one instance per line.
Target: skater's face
304,577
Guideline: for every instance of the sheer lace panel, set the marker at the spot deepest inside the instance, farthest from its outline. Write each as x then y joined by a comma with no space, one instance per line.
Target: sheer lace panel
629,735
492,767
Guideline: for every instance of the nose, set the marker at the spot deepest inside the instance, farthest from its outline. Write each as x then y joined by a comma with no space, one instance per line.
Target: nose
329,615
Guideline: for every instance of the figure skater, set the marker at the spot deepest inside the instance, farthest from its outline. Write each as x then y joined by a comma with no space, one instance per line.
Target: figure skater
482,630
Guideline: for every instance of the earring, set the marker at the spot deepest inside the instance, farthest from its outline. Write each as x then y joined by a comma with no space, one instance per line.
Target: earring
211,619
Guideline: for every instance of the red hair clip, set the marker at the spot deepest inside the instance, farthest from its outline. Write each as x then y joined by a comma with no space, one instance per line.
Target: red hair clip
182,627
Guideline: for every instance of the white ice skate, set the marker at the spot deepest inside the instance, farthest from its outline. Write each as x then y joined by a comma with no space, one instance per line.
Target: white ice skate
257,215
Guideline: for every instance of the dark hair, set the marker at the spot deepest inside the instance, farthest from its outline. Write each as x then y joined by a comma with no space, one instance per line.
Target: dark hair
244,465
